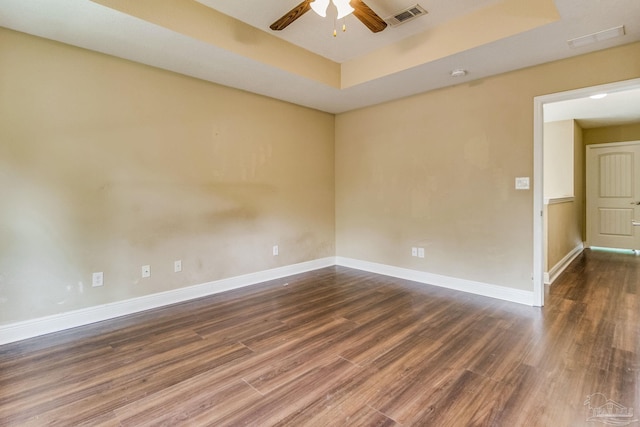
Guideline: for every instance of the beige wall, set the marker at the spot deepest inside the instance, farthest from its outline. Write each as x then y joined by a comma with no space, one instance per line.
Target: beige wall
565,220
564,232
107,165
558,159
437,170
607,134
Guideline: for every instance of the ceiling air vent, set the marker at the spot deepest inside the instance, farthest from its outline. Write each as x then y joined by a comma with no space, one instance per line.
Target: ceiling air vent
406,15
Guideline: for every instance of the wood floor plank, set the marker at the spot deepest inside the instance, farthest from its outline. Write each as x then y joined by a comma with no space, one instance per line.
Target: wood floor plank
187,401
337,347
299,357
295,395
103,393
341,406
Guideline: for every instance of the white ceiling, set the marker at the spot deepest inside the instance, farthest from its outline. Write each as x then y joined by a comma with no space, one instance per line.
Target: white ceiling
616,108
315,33
89,25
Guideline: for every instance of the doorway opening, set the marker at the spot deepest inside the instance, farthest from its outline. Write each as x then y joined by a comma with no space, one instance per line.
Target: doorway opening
539,246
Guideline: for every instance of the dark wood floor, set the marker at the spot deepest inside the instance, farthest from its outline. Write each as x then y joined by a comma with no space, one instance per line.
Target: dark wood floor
339,347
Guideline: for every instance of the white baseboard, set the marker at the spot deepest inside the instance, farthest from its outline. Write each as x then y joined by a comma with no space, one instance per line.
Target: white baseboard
35,327
556,270
478,288
31,328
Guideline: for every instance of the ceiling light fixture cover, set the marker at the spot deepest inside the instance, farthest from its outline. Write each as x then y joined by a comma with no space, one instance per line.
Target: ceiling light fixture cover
598,96
320,7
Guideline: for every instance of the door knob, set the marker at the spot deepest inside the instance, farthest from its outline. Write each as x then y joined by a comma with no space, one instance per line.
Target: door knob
635,203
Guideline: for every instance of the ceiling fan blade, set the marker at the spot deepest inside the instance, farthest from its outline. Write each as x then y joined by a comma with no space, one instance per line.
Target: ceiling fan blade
291,16
367,16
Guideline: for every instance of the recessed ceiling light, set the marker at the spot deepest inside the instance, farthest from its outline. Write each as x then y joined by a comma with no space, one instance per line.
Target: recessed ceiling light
459,73
598,96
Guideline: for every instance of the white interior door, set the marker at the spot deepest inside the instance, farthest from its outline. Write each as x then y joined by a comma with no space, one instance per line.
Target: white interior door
613,195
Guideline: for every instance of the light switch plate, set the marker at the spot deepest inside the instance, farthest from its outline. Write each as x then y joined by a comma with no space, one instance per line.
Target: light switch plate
522,183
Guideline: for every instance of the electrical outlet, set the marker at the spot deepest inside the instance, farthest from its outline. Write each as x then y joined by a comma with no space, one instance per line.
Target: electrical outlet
414,251
420,252
177,266
146,270
275,250
98,279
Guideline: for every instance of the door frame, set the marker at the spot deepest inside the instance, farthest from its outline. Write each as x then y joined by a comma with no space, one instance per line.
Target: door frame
538,178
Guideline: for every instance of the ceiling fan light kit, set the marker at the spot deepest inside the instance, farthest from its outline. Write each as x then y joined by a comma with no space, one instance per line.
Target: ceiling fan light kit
320,7
345,7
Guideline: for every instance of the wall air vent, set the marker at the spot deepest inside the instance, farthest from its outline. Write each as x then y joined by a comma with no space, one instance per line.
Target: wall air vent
406,15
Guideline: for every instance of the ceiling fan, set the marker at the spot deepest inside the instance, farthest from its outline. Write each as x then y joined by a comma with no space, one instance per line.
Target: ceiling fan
360,10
